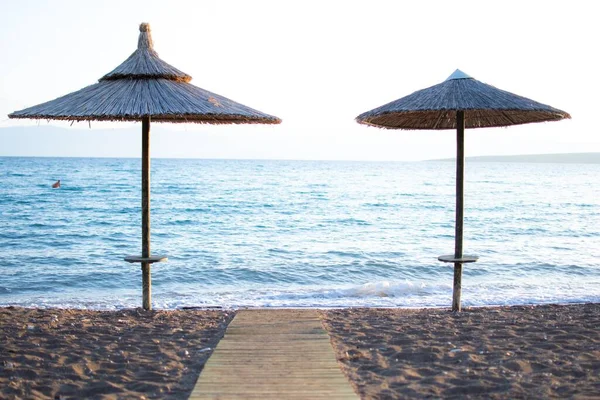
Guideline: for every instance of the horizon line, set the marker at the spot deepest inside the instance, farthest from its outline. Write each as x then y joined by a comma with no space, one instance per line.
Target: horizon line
472,158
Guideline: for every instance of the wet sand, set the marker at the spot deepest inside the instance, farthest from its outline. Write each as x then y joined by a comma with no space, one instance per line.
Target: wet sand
499,353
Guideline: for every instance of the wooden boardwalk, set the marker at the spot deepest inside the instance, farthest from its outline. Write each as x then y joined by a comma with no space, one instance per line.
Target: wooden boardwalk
273,354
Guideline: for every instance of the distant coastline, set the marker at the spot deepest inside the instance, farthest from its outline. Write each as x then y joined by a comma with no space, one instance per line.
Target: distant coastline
563,158
51,141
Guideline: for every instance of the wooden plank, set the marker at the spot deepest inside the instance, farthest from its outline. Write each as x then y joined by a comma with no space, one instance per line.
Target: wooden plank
273,354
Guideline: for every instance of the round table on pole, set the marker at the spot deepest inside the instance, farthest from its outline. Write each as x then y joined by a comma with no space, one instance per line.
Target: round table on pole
463,260
146,277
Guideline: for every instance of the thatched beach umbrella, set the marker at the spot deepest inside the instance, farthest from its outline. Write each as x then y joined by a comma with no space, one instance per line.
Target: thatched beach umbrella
457,103
145,88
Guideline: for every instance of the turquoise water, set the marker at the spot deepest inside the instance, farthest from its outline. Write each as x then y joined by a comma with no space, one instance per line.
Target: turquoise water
296,233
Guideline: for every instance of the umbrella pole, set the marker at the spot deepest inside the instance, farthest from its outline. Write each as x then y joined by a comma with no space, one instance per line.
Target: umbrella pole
460,182
146,278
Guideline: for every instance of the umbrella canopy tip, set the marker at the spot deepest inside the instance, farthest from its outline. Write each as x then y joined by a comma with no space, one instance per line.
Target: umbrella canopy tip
145,39
458,74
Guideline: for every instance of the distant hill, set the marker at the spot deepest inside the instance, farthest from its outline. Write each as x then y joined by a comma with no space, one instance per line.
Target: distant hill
566,158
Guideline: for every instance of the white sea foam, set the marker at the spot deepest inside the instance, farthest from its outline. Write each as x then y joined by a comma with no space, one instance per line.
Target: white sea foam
375,294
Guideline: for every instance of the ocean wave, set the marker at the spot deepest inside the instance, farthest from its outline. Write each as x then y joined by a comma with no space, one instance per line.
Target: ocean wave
390,289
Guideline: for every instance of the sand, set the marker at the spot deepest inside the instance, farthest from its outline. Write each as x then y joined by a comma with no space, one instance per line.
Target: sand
506,353
499,353
77,354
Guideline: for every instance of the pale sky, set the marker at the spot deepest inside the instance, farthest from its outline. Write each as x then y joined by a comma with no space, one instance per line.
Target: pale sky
315,64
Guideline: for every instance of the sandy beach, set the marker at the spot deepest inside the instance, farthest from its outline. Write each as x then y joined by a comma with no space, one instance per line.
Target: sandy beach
505,352
77,354
518,352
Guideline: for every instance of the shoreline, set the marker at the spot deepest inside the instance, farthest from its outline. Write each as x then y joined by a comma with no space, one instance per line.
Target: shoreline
531,351
235,308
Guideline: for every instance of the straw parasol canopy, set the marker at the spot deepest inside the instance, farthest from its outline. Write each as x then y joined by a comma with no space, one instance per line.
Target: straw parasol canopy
144,85
484,106
145,88
457,103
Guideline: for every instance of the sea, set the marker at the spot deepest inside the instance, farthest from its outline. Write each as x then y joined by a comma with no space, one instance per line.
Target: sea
320,234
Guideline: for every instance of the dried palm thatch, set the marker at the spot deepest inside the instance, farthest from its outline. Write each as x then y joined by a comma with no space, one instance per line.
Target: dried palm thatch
144,85
484,106
457,103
